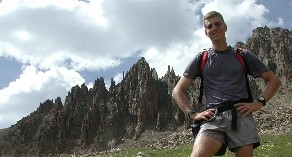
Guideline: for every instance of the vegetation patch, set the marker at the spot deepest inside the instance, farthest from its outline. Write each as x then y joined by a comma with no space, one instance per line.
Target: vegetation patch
271,146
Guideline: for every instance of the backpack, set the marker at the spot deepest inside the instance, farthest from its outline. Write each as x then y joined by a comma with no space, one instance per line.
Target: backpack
242,60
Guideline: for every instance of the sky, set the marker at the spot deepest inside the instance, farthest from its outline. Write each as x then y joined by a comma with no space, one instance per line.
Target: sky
49,46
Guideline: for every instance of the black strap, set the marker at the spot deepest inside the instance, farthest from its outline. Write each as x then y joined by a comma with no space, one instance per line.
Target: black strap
240,52
200,74
234,118
230,106
200,99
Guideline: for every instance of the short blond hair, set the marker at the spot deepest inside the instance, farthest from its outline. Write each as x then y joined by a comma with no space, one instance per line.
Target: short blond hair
212,14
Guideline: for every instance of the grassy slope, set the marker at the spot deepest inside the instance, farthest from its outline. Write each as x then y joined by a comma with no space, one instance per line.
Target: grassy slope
271,146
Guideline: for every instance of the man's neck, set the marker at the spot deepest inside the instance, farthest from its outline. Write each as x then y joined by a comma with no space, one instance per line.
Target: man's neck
220,45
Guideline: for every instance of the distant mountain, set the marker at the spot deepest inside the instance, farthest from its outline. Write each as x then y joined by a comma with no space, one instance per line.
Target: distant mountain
96,119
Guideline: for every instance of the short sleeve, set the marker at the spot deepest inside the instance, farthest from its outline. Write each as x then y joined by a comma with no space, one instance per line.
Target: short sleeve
192,69
255,66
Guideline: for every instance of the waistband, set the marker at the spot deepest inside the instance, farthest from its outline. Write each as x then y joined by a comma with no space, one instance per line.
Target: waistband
230,106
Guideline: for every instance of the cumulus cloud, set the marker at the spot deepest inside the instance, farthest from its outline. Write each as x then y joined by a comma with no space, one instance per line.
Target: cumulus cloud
33,86
241,18
57,40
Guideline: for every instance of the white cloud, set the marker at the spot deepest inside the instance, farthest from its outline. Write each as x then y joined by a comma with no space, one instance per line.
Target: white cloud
278,23
77,31
241,17
23,35
118,78
94,35
23,95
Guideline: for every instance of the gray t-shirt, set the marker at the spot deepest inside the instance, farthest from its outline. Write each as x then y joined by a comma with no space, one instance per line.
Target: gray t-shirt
224,78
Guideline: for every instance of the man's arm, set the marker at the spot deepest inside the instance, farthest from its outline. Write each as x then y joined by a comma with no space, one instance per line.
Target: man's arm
273,83
178,95
179,92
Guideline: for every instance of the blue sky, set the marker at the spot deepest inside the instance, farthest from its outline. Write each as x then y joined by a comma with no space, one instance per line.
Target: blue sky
48,46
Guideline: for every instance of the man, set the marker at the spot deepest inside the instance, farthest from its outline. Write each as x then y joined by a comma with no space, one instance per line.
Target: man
224,81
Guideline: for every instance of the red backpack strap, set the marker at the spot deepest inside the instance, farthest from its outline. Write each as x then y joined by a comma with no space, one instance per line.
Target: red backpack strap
202,62
204,59
240,58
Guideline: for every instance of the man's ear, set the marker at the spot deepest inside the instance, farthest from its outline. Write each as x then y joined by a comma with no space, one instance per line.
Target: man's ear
206,33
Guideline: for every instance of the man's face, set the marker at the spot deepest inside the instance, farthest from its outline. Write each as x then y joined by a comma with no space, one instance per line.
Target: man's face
215,28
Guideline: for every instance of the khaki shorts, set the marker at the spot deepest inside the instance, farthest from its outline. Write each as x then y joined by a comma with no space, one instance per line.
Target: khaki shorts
220,128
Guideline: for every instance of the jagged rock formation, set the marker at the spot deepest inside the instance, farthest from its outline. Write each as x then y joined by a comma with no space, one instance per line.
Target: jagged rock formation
97,119
274,48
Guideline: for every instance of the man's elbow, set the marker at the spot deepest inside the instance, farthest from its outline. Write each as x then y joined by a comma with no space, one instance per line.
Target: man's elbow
278,82
272,79
275,82
174,93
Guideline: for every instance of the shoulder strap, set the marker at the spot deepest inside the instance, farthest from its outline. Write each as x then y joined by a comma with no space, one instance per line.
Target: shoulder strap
242,60
202,61
239,55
